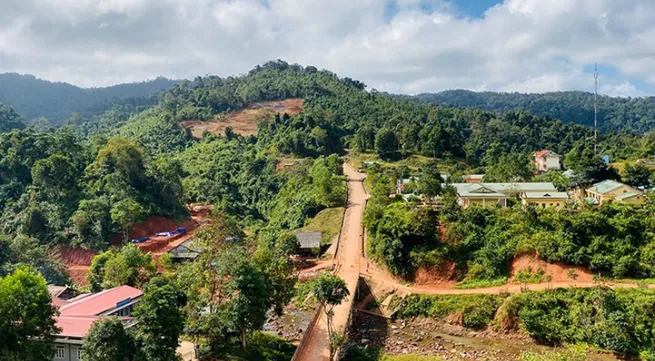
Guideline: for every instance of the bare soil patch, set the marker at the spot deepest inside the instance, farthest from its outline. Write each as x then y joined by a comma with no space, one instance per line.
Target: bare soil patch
559,272
444,275
245,121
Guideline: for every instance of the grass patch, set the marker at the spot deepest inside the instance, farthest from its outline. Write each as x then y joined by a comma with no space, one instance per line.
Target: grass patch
476,311
328,222
643,281
301,298
527,275
469,284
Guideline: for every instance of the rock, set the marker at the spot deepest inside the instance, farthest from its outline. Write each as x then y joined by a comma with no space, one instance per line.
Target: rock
365,341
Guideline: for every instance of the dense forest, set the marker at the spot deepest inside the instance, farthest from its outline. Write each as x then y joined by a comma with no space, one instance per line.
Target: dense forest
34,98
614,113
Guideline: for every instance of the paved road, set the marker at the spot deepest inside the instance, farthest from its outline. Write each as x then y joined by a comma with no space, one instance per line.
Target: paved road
347,261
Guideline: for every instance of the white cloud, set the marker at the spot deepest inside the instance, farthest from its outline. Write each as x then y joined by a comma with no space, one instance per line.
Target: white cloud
519,45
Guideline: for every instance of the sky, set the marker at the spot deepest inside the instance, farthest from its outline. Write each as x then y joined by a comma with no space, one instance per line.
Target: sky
400,46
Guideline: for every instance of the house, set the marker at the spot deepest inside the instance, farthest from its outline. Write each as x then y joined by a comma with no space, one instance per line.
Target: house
486,194
309,242
609,190
187,251
76,315
545,160
545,199
406,185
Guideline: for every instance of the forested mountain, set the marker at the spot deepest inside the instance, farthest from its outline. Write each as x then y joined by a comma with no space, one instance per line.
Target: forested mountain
34,98
614,114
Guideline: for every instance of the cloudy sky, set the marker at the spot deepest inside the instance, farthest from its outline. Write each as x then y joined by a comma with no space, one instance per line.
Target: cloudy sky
404,46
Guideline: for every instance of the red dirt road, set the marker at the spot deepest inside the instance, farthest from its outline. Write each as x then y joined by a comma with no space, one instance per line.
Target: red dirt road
346,262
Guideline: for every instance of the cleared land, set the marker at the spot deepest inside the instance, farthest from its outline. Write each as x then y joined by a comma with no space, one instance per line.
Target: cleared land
245,121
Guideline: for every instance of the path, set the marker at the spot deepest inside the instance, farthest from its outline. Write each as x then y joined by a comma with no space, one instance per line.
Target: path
346,262
349,257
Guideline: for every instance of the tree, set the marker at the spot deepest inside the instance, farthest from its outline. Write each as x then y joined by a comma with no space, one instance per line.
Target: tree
429,183
160,322
108,340
246,309
638,175
588,168
55,174
129,266
27,327
509,168
385,143
330,291
9,119
126,213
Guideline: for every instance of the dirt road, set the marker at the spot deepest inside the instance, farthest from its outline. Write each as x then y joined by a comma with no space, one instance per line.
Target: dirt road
346,263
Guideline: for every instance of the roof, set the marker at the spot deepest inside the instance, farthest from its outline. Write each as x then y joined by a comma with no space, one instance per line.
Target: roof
477,190
186,250
627,195
75,326
98,303
309,240
546,153
606,186
551,195
463,188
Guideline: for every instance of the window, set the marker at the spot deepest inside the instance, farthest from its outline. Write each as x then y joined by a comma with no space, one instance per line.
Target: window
59,352
79,354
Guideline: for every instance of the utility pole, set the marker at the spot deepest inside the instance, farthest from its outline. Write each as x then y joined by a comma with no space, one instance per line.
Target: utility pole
595,108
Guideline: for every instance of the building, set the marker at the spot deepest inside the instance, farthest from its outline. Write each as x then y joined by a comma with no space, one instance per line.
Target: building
609,191
76,315
187,251
309,242
546,160
489,194
545,199
406,185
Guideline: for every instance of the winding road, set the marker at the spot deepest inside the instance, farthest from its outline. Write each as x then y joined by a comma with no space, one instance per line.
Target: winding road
350,256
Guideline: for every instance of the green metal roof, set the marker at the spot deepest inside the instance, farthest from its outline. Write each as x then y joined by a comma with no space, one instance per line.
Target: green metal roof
627,195
552,195
606,186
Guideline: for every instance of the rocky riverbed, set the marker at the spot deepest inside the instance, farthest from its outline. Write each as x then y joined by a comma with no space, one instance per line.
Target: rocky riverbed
447,341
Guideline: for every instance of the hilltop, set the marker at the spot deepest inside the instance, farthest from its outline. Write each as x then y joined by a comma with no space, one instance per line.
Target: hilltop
35,98
614,113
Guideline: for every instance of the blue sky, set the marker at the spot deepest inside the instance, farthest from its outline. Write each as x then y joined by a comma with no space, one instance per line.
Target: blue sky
402,46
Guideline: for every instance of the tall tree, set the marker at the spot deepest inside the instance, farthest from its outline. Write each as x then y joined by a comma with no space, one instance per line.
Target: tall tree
27,327
386,143
9,119
429,183
638,175
108,340
330,290
160,322
127,213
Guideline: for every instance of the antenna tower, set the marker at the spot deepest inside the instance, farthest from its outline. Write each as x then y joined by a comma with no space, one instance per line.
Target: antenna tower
595,108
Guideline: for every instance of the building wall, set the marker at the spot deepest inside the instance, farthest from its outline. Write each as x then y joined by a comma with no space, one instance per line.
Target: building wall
70,352
609,196
634,200
482,202
544,203
552,163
